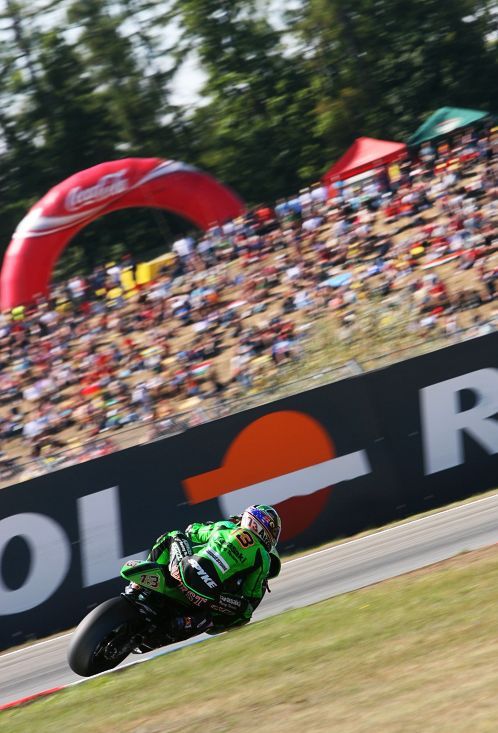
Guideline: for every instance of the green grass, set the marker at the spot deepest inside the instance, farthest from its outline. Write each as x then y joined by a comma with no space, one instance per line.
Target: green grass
416,654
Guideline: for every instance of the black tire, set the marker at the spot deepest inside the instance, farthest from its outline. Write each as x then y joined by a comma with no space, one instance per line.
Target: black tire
113,617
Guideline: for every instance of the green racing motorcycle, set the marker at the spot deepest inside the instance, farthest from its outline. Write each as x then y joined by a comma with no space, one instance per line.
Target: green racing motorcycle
139,620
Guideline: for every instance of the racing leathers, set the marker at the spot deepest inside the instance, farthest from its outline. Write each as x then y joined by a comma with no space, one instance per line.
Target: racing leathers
222,570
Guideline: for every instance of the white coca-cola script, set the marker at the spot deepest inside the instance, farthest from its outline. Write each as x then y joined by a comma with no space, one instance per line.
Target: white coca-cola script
106,187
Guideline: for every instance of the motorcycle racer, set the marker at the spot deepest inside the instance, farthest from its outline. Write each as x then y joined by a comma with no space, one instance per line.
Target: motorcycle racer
210,578
221,567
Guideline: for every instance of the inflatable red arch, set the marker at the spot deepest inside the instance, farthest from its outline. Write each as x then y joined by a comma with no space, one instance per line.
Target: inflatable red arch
50,224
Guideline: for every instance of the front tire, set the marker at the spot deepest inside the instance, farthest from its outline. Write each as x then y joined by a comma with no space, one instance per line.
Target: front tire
112,620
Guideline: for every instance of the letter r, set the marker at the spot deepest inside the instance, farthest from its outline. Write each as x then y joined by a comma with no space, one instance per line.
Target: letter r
444,423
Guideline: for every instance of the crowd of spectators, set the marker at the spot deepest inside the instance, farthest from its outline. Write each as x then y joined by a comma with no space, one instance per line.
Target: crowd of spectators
237,303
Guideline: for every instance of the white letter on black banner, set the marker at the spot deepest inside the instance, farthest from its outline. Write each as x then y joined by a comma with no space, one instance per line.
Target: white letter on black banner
100,534
50,556
443,423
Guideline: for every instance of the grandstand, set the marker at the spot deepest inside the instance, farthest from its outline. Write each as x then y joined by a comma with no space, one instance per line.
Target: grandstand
334,279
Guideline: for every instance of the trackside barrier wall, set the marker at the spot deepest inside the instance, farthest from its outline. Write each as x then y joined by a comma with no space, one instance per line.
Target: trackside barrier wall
335,460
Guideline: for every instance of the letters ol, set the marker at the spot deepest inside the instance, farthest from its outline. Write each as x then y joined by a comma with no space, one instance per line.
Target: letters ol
50,550
444,423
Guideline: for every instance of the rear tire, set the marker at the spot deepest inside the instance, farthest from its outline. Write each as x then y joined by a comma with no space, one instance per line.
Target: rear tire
113,617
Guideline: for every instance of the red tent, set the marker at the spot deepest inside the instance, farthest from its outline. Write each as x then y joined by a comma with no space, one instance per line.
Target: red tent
363,155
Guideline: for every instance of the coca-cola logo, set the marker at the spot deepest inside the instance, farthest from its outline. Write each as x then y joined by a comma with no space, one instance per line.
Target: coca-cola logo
106,187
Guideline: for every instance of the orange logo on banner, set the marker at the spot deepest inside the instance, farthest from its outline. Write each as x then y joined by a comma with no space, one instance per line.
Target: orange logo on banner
272,446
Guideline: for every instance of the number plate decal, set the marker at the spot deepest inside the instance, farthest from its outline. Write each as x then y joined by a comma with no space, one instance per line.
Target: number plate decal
150,581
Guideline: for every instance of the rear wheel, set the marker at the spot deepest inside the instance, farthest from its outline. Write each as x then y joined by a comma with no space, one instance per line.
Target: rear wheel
101,640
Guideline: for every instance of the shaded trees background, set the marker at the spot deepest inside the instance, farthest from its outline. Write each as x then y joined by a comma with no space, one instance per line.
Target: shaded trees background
284,95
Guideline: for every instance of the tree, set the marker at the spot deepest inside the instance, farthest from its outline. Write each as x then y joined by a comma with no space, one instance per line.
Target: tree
381,65
61,125
69,116
72,100
20,163
121,53
256,126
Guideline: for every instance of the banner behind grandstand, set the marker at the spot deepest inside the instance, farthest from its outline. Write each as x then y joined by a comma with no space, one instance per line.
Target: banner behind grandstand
335,460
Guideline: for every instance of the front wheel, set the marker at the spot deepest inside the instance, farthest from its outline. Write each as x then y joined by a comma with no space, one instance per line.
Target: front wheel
100,641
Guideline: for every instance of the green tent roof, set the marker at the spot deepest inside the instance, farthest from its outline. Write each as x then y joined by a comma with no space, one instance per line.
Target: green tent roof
444,121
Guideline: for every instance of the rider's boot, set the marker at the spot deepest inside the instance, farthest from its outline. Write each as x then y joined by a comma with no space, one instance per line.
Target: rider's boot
133,589
183,627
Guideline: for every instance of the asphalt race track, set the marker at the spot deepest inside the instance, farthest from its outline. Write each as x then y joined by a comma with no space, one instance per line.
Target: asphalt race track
315,577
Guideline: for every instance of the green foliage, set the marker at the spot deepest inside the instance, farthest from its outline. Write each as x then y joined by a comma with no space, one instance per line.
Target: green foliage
256,130
75,97
382,65
134,94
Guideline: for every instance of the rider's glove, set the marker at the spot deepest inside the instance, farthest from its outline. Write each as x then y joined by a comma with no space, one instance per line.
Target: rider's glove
191,527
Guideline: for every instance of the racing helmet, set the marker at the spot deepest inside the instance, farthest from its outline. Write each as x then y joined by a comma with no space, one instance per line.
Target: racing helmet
264,521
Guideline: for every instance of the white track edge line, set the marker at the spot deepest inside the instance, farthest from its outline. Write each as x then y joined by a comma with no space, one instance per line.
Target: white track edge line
35,644
391,529
302,557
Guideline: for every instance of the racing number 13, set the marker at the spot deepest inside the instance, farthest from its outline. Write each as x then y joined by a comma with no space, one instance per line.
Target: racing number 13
245,539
